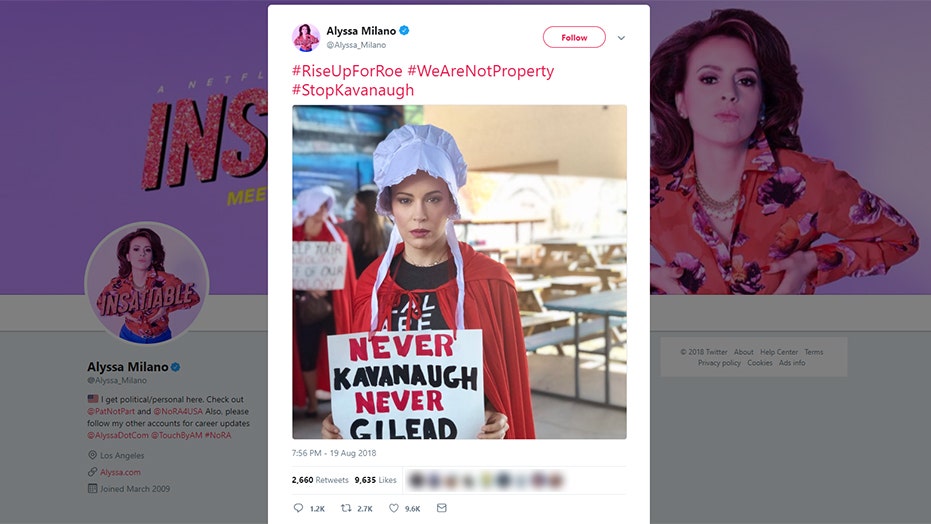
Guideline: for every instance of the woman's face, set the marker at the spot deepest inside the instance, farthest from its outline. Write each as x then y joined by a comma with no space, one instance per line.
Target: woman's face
320,215
140,253
359,212
421,205
723,92
304,30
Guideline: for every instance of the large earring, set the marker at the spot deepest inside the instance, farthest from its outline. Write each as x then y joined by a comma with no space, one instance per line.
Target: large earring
762,114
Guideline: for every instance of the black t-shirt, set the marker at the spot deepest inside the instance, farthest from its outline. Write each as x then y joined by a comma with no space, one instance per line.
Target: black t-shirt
421,281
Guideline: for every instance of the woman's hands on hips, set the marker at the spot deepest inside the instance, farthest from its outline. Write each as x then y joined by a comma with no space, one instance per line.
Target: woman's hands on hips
666,279
795,268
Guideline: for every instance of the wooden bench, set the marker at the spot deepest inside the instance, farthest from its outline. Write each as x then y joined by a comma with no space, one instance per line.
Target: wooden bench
522,277
529,294
610,276
614,274
576,284
566,335
542,321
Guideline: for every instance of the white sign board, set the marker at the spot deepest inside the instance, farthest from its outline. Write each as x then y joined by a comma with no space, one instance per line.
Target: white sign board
318,265
408,384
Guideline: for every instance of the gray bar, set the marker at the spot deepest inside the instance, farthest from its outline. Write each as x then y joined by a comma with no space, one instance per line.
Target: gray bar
804,313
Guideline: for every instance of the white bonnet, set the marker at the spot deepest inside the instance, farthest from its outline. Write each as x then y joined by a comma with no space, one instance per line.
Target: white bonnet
309,202
410,148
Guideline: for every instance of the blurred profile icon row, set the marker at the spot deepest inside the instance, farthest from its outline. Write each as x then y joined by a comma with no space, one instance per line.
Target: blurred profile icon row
486,480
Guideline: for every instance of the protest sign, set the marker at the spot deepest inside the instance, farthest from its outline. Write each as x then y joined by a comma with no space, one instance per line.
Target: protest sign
408,384
318,265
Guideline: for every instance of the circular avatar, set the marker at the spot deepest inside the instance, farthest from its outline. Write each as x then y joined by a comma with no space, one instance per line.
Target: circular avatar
142,276
306,37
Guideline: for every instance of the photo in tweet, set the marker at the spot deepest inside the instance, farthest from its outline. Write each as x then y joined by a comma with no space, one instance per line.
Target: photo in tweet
550,226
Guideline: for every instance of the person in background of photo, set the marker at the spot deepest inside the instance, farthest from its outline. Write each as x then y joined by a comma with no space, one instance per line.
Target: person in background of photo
141,277
313,221
305,41
368,231
429,280
736,208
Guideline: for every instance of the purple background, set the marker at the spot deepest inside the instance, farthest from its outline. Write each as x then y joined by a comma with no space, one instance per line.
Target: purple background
80,81
863,66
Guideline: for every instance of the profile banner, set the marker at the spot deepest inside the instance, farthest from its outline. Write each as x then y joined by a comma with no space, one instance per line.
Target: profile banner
408,384
318,265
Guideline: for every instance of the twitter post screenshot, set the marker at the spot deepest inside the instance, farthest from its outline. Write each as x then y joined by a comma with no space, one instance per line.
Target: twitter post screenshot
455,287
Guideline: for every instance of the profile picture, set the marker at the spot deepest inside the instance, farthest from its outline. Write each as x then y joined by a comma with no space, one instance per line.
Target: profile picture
306,37
146,282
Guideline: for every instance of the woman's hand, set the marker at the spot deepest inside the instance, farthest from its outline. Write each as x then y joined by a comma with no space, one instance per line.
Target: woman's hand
158,314
666,279
329,430
496,425
318,293
796,268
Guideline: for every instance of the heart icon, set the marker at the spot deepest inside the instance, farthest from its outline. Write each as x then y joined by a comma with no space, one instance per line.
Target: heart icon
298,507
393,508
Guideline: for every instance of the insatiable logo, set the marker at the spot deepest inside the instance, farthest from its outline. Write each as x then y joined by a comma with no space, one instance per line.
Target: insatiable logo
201,138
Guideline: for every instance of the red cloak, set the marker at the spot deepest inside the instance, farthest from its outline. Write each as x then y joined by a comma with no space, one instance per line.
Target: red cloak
490,305
342,315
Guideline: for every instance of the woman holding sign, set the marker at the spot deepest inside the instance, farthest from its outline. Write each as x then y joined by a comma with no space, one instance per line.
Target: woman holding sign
736,207
428,280
317,313
143,293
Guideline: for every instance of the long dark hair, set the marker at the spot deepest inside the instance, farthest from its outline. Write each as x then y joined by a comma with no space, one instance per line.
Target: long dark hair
782,95
373,238
158,251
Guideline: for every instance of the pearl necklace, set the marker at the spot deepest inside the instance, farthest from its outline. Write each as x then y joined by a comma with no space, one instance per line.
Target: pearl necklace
721,210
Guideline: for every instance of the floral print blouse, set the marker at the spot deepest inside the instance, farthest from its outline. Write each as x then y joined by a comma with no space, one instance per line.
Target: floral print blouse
138,307
788,200
306,42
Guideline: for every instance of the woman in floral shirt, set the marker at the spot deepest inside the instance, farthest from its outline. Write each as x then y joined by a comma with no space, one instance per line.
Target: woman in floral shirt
306,40
735,206
143,293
